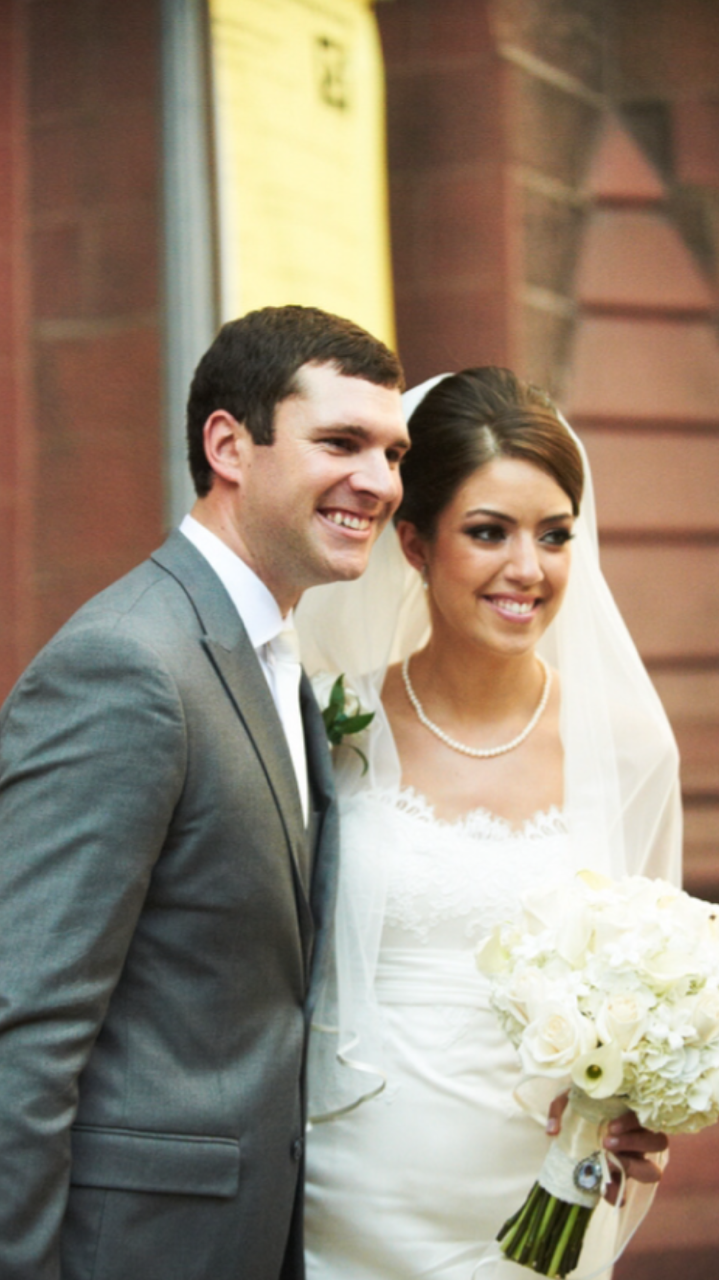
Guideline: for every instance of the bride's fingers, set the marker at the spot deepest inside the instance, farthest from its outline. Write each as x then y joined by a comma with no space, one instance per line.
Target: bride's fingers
639,1169
627,1136
556,1110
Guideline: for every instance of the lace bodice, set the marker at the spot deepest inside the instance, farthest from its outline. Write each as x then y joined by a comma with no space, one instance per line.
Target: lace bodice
448,883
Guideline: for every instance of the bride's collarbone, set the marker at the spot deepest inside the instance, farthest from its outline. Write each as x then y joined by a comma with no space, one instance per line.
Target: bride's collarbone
514,786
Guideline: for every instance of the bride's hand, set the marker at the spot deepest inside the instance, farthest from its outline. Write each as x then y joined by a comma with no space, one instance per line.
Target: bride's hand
634,1146
628,1141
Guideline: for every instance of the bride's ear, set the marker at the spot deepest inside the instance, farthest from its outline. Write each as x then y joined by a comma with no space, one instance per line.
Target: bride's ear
413,544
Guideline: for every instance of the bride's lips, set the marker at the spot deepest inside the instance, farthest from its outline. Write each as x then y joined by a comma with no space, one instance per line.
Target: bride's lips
357,525
518,609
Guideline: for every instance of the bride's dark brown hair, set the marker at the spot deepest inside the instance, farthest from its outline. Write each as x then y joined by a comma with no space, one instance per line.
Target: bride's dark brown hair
465,422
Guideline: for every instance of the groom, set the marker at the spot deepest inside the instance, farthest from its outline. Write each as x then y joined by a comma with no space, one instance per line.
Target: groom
168,839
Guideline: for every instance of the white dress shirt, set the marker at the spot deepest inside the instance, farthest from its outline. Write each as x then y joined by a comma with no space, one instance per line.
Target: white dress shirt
263,621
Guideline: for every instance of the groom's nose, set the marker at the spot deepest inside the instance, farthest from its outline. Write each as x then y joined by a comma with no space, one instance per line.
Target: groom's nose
375,474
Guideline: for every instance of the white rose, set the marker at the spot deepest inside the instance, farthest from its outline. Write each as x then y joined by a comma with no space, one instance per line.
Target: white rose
554,1039
525,993
669,968
705,1015
623,1018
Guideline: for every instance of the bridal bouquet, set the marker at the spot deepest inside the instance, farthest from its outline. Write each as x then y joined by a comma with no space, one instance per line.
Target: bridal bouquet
610,989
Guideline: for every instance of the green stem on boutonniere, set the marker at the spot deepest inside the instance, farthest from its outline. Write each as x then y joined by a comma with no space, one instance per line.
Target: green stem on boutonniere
339,725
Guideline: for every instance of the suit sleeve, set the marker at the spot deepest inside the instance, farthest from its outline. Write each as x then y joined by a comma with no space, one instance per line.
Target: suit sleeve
92,762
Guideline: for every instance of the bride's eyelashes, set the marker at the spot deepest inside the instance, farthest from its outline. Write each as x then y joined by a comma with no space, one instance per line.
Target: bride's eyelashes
496,533
486,532
557,537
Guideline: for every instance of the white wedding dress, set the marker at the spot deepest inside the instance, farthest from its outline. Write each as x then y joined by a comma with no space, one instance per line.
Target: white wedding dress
417,1181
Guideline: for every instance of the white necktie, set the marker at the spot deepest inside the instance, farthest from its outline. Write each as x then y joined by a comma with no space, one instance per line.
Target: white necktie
284,653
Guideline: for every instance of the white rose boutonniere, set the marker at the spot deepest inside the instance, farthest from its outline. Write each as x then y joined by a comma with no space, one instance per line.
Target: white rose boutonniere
343,714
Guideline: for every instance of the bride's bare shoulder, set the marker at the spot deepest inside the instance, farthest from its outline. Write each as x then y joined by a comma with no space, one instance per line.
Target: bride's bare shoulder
393,686
393,695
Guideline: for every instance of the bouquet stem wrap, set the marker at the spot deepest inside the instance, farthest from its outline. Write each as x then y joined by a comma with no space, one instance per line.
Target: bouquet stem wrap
548,1231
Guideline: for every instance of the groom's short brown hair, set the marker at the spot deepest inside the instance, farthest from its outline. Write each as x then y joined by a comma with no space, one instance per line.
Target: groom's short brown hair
253,362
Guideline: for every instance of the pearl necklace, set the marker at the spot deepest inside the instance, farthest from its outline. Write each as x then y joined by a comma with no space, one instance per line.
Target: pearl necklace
479,753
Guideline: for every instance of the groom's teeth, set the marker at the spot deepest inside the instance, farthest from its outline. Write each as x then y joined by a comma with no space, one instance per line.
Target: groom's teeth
347,521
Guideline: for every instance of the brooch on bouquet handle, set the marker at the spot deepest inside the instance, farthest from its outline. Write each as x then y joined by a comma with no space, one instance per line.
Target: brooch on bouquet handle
343,716
611,989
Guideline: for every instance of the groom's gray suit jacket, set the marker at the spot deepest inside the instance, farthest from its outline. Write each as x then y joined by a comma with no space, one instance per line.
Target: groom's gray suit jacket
160,938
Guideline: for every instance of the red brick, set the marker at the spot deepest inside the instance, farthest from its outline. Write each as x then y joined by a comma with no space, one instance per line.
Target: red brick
443,117
403,222
7,297
664,481
699,748
668,596
665,47
8,416
99,466
100,501
127,50
57,47
124,157
691,694
443,331
696,141
620,171
59,165
638,258
58,263
551,130
8,190
433,29
7,77
124,266
101,385
568,35
645,370
460,227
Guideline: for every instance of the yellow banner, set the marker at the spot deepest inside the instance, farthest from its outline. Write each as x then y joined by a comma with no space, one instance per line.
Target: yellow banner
299,110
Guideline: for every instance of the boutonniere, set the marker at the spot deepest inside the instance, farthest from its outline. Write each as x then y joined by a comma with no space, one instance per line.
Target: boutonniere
344,716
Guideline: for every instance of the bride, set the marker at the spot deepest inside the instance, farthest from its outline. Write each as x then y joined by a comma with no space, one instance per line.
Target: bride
516,740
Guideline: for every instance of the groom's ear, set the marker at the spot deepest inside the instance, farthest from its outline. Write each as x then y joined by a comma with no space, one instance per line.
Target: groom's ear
227,445
413,545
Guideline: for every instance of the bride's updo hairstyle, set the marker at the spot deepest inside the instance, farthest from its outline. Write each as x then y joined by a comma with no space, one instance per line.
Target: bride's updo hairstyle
469,419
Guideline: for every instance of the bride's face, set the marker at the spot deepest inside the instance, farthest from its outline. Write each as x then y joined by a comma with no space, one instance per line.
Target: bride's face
498,564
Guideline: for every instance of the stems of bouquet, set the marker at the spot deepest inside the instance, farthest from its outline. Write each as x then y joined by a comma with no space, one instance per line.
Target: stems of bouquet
547,1232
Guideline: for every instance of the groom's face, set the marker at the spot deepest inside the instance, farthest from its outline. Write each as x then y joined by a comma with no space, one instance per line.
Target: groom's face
314,502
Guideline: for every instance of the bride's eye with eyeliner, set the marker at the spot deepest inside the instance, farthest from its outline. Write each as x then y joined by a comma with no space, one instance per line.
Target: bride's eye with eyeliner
557,537
486,532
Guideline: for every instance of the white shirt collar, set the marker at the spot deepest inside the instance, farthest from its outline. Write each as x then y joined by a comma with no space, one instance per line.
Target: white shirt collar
253,601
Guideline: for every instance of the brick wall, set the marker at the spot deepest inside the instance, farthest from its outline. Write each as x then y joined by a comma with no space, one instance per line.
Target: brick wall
451,233
83,113
15,434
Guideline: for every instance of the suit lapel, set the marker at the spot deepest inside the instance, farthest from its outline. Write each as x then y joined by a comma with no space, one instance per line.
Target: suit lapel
326,863
229,650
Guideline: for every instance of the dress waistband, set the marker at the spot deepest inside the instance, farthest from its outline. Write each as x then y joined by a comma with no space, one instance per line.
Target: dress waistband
430,977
